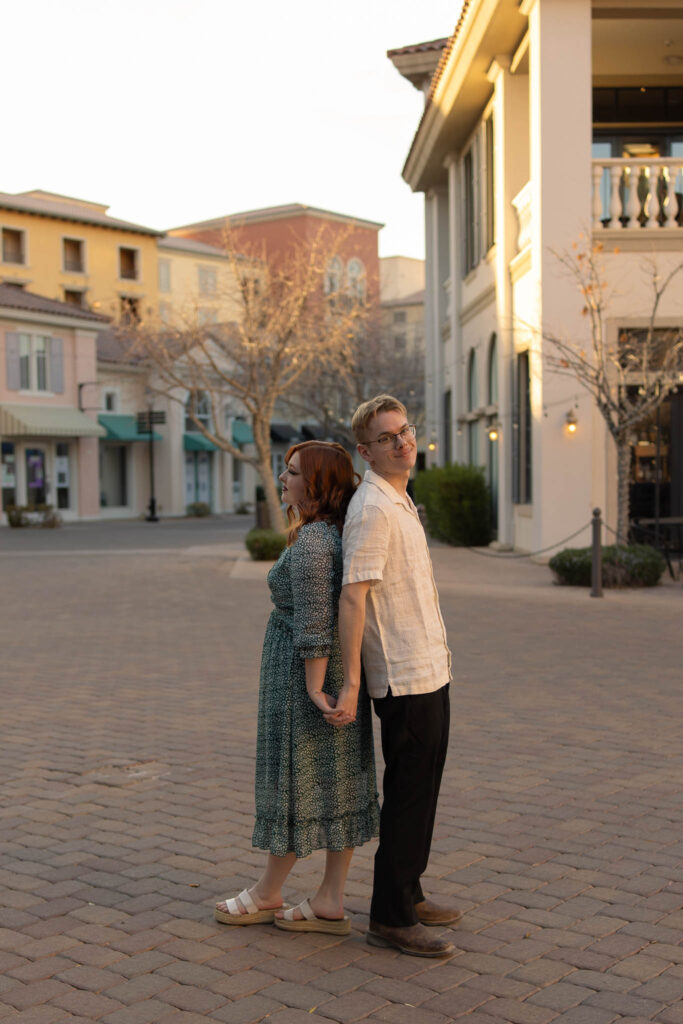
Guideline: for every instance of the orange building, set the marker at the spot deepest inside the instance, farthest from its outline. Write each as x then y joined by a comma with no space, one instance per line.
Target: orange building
275,231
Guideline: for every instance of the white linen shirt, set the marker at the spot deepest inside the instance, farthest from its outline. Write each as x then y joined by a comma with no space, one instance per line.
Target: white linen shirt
404,643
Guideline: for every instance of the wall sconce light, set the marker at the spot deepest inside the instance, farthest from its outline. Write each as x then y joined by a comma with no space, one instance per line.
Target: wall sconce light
493,432
431,447
571,421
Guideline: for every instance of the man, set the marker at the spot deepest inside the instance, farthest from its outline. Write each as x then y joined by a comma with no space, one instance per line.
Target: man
389,607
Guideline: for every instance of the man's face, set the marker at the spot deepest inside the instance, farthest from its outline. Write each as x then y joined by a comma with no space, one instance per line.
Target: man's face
392,458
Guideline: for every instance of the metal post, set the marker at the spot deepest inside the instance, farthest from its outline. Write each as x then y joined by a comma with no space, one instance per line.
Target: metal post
152,516
596,560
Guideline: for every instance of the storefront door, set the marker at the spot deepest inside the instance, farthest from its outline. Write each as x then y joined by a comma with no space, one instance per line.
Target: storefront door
36,486
198,477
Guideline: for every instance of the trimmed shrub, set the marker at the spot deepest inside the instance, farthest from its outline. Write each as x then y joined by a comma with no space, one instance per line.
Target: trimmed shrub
457,504
265,545
198,508
637,565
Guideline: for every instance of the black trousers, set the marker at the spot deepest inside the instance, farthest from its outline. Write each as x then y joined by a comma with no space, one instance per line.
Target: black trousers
414,744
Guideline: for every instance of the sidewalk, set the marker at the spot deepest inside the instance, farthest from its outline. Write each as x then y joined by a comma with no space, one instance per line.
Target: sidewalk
128,690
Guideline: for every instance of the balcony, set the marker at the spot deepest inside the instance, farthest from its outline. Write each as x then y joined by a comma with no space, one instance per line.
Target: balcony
635,193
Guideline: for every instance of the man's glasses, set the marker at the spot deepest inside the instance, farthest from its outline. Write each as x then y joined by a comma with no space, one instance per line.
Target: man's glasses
387,440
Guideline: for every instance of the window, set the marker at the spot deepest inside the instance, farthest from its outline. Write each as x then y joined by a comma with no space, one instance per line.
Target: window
113,476
165,312
399,343
490,184
8,474
400,316
74,297
207,280
129,310
33,362
493,372
13,246
73,255
472,404
199,404
62,474
128,264
521,476
333,276
164,275
110,401
469,193
446,427
355,278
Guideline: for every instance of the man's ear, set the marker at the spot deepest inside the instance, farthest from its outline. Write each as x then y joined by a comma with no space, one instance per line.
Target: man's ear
364,453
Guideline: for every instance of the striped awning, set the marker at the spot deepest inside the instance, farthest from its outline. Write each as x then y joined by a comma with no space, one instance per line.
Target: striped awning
46,421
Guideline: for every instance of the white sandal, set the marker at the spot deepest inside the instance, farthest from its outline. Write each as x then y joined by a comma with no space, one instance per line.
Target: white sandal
311,923
252,916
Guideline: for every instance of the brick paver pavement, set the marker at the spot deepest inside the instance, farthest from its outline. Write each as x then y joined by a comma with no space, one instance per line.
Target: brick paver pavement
128,718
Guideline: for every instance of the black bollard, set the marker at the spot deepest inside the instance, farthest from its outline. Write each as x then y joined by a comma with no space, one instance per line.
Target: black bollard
596,559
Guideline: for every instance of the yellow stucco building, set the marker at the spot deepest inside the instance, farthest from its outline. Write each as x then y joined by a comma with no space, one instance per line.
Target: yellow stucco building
72,250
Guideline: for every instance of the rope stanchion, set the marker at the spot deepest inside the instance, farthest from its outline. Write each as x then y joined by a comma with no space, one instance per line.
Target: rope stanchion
507,556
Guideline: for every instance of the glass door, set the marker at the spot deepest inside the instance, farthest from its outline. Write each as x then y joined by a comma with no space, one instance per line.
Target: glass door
36,484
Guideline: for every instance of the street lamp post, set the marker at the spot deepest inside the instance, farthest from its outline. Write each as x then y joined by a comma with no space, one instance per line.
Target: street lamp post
146,423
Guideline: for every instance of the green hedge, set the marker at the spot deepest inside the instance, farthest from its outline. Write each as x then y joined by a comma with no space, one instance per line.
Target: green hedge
457,502
637,565
198,509
265,545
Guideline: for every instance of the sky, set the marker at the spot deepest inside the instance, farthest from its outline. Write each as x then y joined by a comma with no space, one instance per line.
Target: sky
175,111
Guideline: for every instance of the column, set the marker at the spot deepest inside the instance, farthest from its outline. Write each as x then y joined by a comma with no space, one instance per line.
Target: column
560,132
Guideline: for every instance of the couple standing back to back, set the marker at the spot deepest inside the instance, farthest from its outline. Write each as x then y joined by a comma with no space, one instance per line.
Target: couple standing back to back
388,617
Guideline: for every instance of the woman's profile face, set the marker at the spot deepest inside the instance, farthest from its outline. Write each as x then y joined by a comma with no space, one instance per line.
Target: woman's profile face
293,485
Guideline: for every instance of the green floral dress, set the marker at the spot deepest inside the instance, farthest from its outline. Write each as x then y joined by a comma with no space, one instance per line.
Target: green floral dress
315,782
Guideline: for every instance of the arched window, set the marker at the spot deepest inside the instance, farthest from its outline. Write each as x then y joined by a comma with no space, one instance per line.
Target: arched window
355,278
333,276
493,372
198,402
472,404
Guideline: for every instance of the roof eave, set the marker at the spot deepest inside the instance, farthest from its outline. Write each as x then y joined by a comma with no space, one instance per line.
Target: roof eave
460,88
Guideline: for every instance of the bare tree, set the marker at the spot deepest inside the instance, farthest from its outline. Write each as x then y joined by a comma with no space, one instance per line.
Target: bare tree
628,378
288,331
371,364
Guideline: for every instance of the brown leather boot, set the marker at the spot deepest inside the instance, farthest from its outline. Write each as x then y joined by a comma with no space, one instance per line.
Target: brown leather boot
431,913
413,939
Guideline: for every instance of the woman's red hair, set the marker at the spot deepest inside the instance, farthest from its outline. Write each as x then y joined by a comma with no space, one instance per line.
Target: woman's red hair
330,481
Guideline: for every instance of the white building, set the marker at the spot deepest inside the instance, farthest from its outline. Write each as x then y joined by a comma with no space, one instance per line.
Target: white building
538,117
187,467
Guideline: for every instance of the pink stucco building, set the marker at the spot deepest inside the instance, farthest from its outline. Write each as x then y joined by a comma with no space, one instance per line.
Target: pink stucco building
48,404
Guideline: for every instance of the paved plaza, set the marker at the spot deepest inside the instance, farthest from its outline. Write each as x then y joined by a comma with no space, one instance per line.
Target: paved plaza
128,678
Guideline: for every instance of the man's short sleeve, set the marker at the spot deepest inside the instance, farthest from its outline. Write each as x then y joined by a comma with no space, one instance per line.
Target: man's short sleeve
365,543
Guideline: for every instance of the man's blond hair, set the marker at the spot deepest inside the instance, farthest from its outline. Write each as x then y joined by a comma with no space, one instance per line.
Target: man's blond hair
365,412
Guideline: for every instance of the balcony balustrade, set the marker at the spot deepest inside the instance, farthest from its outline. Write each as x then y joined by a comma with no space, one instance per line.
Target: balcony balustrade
638,193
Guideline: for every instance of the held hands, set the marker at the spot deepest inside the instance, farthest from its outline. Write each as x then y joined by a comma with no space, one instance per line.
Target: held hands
323,701
343,710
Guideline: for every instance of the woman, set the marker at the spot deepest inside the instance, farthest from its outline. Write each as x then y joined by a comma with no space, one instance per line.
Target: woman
315,780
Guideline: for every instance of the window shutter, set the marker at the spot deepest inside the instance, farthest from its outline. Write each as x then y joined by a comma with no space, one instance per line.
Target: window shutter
12,354
56,365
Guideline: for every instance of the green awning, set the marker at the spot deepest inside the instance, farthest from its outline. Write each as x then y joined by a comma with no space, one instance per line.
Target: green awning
242,432
46,421
121,427
198,443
